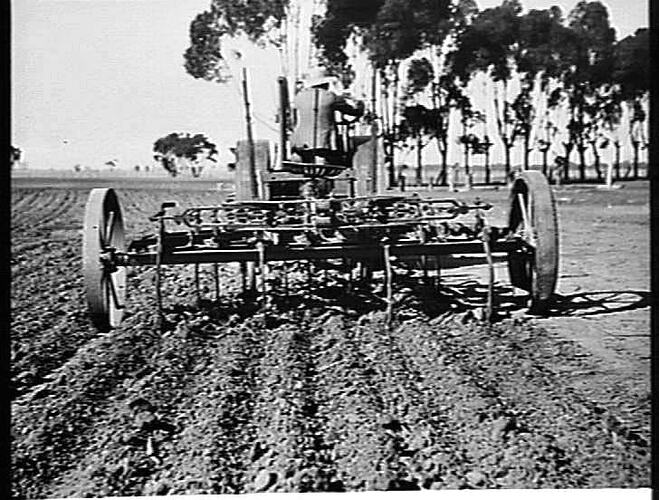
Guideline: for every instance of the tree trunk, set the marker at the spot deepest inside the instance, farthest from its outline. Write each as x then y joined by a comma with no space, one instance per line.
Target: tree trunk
435,106
442,179
466,146
502,126
596,155
581,148
394,117
566,167
250,138
544,162
488,173
443,151
527,149
419,165
388,144
467,171
466,158
391,168
582,160
507,147
617,160
635,145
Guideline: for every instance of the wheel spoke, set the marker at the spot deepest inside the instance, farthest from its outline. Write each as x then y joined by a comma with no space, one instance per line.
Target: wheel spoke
108,229
112,292
528,228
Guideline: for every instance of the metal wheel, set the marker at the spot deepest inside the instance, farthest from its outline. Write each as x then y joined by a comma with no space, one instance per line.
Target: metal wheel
533,217
105,282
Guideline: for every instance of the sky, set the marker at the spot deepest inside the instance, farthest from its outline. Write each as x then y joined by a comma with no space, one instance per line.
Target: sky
93,81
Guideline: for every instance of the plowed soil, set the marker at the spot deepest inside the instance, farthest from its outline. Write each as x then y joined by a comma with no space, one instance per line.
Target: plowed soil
317,392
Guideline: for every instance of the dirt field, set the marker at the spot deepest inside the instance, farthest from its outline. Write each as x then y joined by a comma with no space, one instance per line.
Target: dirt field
319,395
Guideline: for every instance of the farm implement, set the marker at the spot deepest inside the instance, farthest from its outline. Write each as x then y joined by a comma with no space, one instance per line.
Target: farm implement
331,213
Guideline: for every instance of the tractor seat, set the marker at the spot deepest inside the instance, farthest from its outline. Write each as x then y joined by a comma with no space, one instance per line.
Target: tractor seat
358,140
313,170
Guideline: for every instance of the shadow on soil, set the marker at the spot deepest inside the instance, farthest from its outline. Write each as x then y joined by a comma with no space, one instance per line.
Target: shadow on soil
599,302
353,298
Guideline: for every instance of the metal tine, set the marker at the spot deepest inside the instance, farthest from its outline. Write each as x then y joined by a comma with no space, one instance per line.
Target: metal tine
309,275
350,273
424,265
489,309
424,258
486,235
388,281
196,283
243,276
263,272
285,280
160,317
216,276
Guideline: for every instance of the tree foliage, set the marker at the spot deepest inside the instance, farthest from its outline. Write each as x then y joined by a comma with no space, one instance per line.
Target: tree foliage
420,74
15,155
487,43
254,18
419,120
592,61
191,151
258,20
586,80
543,44
390,30
631,73
490,44
631,70
570,63
203,58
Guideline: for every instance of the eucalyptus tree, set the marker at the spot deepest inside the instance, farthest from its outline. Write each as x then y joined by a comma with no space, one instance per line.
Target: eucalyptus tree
448,96
605,111
488,45
612,129
523,118
15,154
190,150
416,123
432,122
471,143
632,76
539,58
446,93
390,31
588,77
259,20
429,73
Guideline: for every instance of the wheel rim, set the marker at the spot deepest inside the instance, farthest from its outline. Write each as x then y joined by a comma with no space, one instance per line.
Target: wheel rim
103,232
536,271
520,262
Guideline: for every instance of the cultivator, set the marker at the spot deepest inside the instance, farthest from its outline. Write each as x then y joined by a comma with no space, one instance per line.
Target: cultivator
321,213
